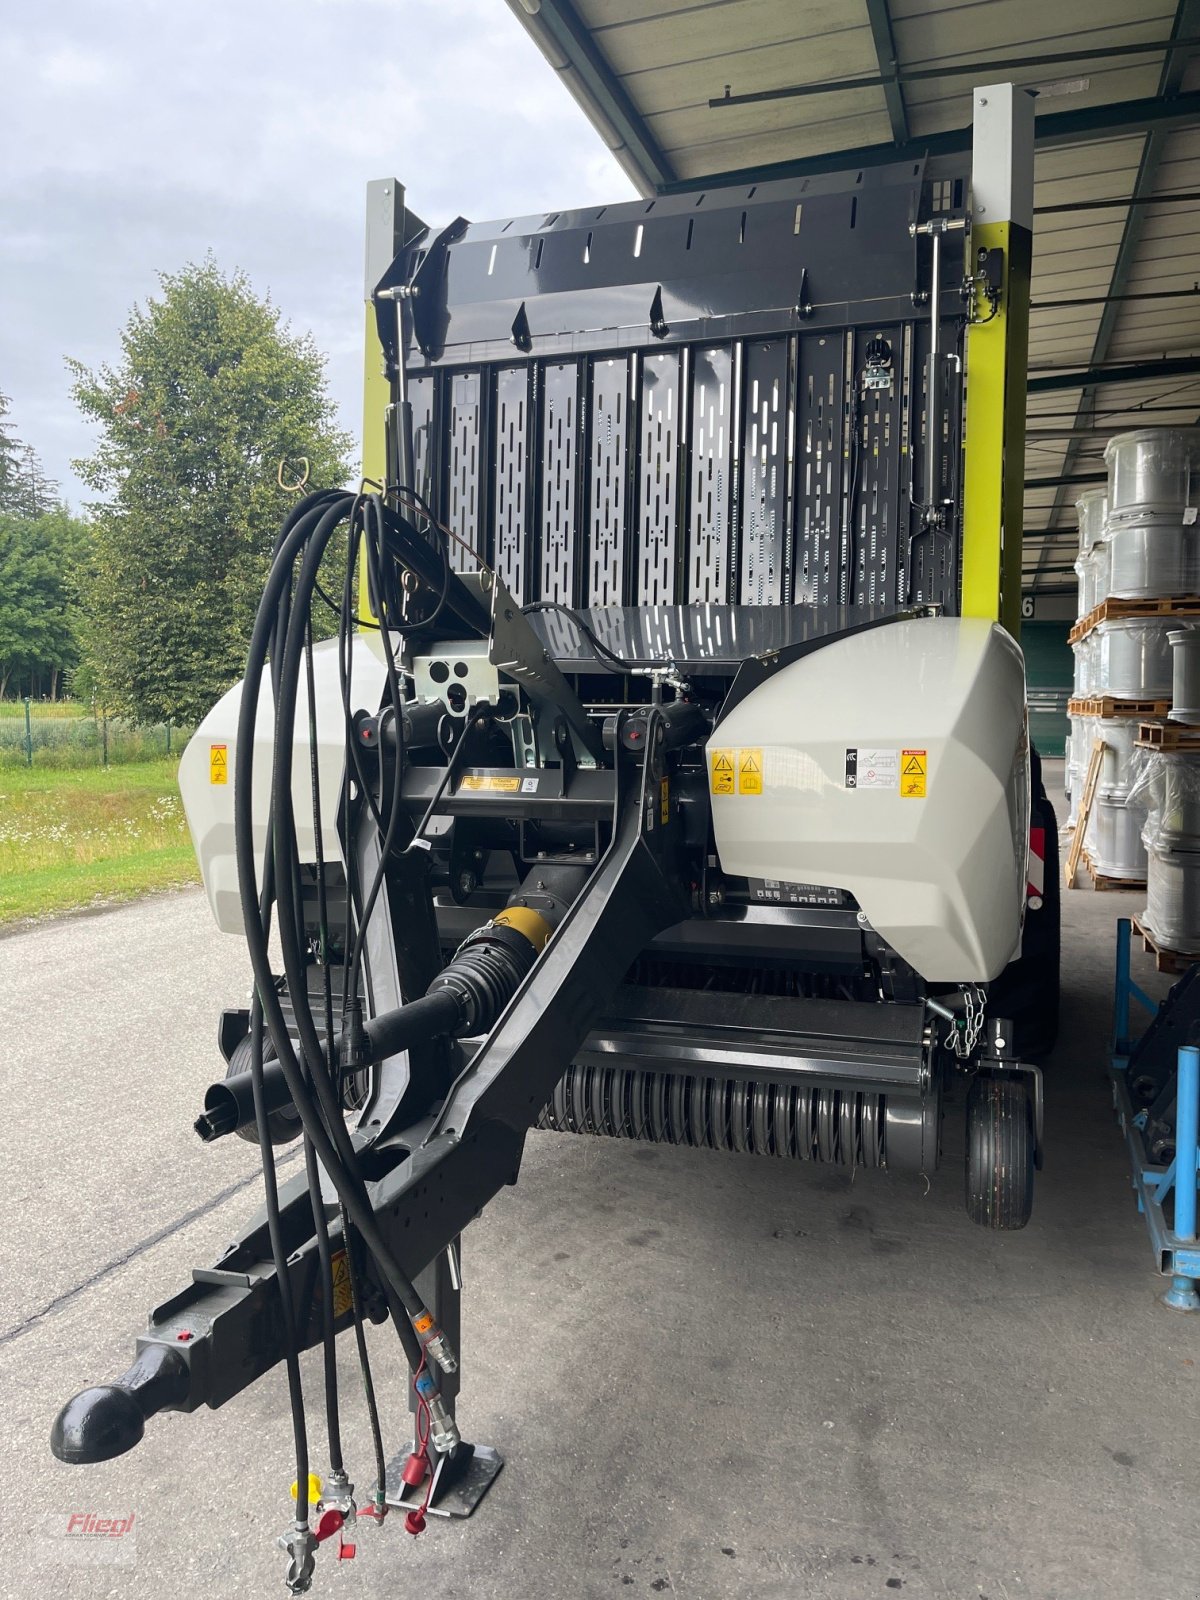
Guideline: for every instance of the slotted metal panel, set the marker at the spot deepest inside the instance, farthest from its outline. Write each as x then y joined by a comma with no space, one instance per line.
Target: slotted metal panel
768,466
710,501
658,476
465,479
875,505
422,398
512,500
686,428
608,481
820,427
560,462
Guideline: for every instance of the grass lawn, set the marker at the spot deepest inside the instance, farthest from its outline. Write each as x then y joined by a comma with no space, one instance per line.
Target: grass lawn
74,838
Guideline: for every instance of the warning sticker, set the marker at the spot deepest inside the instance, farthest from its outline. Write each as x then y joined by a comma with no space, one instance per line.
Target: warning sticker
872,769
498,785
665,801
750,772
218,763
914,773
342,1296
722,772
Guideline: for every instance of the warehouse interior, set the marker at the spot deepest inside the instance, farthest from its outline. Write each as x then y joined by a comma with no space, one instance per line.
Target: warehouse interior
1115,312
711,1375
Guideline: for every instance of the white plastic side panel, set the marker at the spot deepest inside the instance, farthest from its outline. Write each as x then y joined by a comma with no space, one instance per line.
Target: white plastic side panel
208,804
940,875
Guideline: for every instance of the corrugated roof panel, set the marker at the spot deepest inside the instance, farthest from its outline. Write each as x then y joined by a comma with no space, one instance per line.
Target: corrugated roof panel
725,34
697,149
848,52
668,57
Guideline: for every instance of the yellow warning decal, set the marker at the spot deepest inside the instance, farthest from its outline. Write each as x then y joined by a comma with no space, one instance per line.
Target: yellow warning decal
722,772
218,763
914,773
498,785
343,1299
665,798
750,772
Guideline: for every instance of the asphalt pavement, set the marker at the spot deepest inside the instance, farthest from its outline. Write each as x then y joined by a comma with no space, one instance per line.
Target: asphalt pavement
710,1375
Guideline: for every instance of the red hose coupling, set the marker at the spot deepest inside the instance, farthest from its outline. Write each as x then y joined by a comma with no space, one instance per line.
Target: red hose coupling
414,1522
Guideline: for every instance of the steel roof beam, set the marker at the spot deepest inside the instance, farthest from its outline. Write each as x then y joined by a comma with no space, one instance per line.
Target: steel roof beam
880,18
993,69
1041,382
1050,131
567,43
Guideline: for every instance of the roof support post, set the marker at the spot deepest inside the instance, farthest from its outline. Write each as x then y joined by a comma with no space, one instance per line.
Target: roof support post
997,354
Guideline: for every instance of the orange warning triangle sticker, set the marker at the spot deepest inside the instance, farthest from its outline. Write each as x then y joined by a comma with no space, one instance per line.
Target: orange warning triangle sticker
915,767
722,763
749,764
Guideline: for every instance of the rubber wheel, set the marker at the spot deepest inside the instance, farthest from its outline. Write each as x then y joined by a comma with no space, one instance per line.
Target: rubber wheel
1027,991
282,1125
1000,1152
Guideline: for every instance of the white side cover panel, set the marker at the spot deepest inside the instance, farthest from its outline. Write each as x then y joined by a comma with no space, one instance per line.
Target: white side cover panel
209,804
940,874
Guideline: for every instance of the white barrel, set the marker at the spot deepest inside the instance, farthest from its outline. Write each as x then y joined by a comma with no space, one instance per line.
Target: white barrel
1135,659
1118,734
1092,511
1185,675
1085,571
1149,558
1114,838
1175,797
1101,570
1151,469
1086,654
1173,898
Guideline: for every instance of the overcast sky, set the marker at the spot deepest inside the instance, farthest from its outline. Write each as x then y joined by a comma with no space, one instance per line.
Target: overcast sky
137,134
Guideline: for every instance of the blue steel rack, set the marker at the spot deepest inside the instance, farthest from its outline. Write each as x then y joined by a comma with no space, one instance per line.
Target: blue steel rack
1160,1189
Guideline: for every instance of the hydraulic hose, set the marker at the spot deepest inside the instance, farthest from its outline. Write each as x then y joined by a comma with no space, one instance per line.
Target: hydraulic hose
342,1171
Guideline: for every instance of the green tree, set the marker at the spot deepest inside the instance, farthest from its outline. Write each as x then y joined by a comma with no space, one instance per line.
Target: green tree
211,393
41,559
10,459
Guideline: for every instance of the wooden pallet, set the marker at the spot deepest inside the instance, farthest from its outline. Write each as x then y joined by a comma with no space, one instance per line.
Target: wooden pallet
1172,962
1103,705
1128,610
1168,736
1083,813
1102,882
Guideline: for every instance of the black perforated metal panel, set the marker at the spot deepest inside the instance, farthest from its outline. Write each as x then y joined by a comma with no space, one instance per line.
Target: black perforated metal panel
658,475
820,420
560,463
465,501
425,436
610,434
768,465
710,497
512,501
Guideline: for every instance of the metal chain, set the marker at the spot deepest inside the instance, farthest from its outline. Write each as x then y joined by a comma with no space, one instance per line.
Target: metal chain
963,1041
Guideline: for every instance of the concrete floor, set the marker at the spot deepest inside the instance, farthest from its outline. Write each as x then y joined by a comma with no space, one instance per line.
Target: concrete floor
711,1376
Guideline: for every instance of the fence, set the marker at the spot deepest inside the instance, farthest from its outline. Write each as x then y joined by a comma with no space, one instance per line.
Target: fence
35,733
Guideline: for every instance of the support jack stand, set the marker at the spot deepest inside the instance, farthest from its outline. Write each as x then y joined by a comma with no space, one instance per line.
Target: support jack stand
460,1481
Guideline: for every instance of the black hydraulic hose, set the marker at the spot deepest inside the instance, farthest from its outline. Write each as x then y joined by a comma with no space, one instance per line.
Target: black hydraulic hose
333,1424
388,837
605,658
279,1257
344,1175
